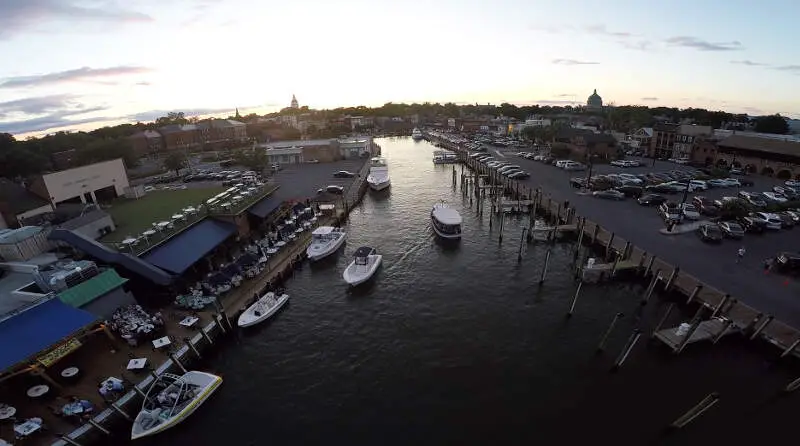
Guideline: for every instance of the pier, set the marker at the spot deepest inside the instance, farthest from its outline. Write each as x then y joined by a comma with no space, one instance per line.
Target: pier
614,256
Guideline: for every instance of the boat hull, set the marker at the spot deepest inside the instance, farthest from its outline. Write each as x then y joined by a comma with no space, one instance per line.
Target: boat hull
444,235
248,318
207,391
355,275
318,254
379,185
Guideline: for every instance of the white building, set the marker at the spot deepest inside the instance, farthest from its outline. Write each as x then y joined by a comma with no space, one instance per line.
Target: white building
82,184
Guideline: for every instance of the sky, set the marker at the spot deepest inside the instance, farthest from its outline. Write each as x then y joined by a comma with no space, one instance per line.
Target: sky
82,64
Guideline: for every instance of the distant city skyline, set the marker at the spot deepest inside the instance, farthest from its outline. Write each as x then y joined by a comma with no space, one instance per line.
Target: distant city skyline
79,65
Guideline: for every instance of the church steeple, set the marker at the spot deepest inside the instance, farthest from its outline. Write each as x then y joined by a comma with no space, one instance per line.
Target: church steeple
237,113
294,103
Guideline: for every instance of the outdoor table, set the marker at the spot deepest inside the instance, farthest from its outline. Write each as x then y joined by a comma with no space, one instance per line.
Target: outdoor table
280,244
272,251
291,237
38,391
137,363
190,210
110,381
177,217
225,205
188,321
298,230
7,412
129,241
161,342
307,210
149,233
28,427
312,219
163,224
70,372
306,224
289,221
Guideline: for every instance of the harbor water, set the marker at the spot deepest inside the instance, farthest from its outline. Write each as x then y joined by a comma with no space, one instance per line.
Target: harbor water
459,344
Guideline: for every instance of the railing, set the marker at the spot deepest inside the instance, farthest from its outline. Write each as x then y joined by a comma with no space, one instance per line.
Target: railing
234,208
175,227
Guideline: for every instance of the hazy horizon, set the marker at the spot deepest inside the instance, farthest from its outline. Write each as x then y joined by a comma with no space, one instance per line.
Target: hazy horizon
108,61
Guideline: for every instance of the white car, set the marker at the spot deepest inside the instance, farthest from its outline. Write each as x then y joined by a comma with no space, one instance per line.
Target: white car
792,183
618,163
630,179
732,182
698,185
772,220
772,196
690,212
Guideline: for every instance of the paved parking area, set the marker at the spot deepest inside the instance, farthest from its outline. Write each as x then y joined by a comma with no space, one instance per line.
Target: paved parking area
301,181
714,264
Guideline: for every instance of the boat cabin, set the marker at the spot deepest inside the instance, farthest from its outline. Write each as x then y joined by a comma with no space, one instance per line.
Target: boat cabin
324,234
361,256
446,220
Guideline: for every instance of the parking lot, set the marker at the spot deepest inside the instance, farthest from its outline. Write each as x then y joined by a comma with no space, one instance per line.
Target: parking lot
301,181
714,264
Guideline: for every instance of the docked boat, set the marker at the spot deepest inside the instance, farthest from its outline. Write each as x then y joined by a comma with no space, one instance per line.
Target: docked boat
446,221
171,399
325,240
365,262
416,134
444,157
378,177
263,309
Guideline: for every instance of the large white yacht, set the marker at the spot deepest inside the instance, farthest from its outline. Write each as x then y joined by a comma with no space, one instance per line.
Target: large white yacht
378,178
446,221
325,240
416,134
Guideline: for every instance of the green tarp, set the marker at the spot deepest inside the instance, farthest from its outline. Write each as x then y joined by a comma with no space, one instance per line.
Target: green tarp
91,289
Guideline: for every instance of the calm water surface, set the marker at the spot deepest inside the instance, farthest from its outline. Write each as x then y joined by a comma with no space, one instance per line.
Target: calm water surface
458,344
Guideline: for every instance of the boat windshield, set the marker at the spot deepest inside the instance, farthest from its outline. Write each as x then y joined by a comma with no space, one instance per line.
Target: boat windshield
361,256
168,396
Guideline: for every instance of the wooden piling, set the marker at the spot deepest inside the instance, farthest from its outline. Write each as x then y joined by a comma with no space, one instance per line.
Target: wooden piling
695,323
792,386
602,345
608,245
544,267
696,411
578,245
68,440
650,265
575,299
790,348
722,331
119,410
675,272
626,251
177,363
762,326
97,426
650,288
594,235
632,340
694,293
614,266
205,335
663,319
720,305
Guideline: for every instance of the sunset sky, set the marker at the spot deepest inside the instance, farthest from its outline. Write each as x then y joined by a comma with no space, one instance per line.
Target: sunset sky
81,64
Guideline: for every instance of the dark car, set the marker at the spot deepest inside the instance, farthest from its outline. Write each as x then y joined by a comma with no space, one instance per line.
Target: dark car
609,194
661,189
731,229
631,191
705,206
787,222
746,182
787,263
710,232
344,174
752,225
651,200
338,190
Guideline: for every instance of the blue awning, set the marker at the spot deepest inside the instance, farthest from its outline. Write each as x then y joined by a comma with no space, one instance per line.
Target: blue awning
265,207
39,328
186,248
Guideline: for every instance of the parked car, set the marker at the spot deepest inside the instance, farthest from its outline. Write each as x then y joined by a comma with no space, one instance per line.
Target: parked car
731,229
338,190
792,183
690,211
670,212
661,189
787,222
344,174
519,175
771,220
752,225
709,232
651,200
772,196
609,194
631,191
787,263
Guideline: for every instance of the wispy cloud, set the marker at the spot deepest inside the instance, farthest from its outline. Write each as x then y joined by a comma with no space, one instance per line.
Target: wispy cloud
703,45
795,69
748,63
35,105
573,62
555,102
79,74
18,15
565,95
601,30
650,98
152,115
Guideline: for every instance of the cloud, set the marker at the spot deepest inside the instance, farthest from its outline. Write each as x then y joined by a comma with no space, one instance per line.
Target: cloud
79,74
749,63
554,102
702,45
152,115
789,68
18,15
143,84
601,30
573,62
56,119
35,105
565,95
650,98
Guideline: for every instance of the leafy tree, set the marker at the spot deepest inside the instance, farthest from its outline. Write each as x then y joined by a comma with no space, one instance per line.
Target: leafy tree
734,209
254,159
175,161
772,124
108,149
172,118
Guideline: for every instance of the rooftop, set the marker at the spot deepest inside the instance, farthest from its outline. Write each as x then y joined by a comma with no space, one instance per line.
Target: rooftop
760,144
17,199
84,219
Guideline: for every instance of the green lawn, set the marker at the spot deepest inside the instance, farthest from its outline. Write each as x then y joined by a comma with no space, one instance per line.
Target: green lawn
132,217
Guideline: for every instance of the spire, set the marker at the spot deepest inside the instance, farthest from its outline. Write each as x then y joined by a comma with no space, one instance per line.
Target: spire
294,103
595,91
237,112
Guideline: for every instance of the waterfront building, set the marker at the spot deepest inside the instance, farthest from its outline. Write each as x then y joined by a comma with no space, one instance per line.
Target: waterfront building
595,102
581,143
765,155
147,142
180,136
86,184
678,141
18,204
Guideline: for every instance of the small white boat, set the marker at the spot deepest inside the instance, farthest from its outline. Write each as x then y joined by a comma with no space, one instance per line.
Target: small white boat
325,240
263,309
444,157
171,399
378,178
446,221
416,134
365,262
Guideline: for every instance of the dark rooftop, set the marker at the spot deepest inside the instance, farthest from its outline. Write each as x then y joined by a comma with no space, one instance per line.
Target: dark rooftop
759,144
16,199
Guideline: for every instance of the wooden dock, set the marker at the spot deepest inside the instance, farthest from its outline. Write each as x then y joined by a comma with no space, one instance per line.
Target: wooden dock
710,330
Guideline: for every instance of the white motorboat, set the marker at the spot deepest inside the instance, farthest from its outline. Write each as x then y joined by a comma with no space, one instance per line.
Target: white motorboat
171,399
444,157
365,262
446,221
263,309
416,134
325,240
378,178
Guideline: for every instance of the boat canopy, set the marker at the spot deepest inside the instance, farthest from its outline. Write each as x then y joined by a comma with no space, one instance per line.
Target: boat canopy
323,230
446,216
363,251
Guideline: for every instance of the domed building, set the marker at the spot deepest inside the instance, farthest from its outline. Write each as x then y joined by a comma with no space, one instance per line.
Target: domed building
294,103
595,102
